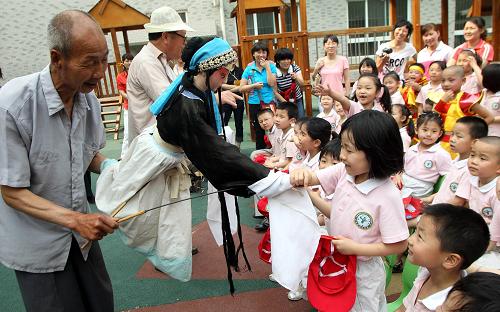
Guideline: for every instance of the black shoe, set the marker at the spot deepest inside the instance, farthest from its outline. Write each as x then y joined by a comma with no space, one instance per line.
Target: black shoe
398,267
263,226
258,217
194,251
91,199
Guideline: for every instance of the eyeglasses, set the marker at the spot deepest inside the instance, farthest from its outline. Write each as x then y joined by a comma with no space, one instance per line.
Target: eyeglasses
176,33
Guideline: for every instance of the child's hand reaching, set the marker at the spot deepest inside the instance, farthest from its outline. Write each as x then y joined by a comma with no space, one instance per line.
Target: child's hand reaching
321,90
346,246
397,180
301,177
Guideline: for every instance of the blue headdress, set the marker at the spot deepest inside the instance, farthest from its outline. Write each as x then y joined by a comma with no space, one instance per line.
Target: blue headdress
212,55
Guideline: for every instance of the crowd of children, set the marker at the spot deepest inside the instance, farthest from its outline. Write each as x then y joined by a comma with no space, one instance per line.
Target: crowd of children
440,148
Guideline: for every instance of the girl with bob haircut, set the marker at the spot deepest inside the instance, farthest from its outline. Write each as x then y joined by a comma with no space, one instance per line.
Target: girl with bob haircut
368,219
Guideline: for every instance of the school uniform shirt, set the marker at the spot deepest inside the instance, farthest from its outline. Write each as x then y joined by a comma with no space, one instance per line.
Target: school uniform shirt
425,90
356,107
332,117
482,199
492,103
312,163
425,57
287,147
458,174
471,84
423,168
297,160
369,212
273,135
398,60
405,137
333,75
430,303
495,229
397,98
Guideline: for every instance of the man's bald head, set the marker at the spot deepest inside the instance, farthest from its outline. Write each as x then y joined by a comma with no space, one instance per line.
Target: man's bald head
455,71
60,31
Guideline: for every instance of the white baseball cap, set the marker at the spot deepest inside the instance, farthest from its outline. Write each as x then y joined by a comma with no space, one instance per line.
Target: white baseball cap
165,19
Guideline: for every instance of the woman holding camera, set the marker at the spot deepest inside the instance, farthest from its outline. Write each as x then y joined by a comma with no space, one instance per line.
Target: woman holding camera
395,54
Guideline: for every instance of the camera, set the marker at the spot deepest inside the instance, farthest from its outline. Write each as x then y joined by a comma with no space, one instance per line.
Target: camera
387,50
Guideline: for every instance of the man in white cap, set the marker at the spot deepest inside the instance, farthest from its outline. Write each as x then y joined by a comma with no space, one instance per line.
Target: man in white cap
152,70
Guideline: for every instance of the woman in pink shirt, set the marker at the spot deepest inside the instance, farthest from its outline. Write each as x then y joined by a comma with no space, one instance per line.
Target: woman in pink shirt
333,68
475,36
367,218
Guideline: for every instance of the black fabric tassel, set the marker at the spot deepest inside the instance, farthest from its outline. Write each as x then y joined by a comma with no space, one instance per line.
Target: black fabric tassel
240,236
228,243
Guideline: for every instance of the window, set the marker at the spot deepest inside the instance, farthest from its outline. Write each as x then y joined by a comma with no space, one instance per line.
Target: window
260,23
461,10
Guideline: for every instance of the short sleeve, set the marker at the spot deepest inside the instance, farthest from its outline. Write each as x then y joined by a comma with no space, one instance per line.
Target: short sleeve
246,73
464,189
380,48
330,177
296,69
422,95
14,161
121,82
290,149
393,226
444,165
495,225
274,70
354,109
345,63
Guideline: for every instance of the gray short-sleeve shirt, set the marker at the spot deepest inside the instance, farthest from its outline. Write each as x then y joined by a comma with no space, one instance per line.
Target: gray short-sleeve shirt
46,152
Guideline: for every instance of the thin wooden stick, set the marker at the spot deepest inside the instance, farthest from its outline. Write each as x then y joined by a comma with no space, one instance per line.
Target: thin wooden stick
118,209
138,213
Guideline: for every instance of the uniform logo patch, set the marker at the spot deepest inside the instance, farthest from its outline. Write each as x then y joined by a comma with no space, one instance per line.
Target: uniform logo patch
298,156
495,105
453,186
363,220
428,164
487,212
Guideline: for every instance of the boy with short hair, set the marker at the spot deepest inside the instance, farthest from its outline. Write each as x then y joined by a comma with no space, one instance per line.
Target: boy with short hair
484,168
466,131
416,80
266,121
285,117
447,240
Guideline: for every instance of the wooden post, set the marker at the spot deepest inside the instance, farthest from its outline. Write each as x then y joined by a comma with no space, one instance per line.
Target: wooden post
392,12
277,21
303,16
417,36
116,48
125,41
295,15
282,19
444,21
476,8
495,24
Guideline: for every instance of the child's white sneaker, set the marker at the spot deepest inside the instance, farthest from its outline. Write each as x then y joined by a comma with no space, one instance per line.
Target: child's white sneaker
271,278
297,295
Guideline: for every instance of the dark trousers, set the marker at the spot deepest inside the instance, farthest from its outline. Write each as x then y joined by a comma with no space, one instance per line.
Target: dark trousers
88,184
238,118
82,286
259,132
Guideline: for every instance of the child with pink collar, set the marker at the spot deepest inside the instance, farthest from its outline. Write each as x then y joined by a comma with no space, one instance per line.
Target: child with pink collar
491,100
427,160
329,114
433,86
393,83
367,219
466,131
484,168
471,63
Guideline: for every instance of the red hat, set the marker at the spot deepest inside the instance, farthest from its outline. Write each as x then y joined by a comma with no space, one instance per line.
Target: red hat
265,247
262,206
331,281
413,207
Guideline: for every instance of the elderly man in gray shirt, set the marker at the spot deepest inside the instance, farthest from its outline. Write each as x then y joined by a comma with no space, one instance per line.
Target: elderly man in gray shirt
51,131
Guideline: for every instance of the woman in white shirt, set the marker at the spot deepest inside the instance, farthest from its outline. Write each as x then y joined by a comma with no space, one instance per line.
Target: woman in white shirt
435,49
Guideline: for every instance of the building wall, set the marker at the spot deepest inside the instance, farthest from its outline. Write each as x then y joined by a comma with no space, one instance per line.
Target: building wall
24,49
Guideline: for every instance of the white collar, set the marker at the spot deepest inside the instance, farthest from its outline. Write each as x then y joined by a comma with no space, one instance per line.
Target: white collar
285,136
330,114
366,186
432,149
273,129
435,300
309,162
459,164
485,188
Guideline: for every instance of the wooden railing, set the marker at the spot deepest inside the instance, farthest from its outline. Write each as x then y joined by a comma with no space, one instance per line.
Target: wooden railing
107,85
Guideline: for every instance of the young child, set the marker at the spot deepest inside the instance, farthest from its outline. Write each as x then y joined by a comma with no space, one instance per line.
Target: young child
491,100
476,292
342,116
455,103
393,84
266,121
467,130
121,84
366,66
300,153
367,217
427,160
471,62
416,80
447,240
435,73
370,94
484,167
329,114
285,117
403,118
313,136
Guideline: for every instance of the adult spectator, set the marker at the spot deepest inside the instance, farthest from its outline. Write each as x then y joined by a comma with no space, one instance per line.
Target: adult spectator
333,68
475,36
152,69
435,49
259,78
233,84
394,55
121,82
289,80
51,129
